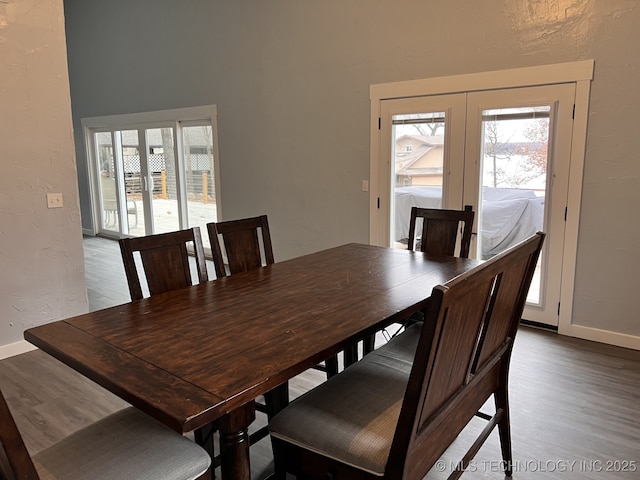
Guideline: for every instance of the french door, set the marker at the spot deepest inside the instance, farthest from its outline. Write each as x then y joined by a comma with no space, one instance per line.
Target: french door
152,175
505,152
137,181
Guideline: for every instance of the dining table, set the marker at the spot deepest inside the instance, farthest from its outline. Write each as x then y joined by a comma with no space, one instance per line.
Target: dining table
201,355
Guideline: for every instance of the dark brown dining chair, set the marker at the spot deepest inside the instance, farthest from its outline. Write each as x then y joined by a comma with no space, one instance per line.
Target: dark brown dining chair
165,261
439,230
125,444
238,241
434,231
407,401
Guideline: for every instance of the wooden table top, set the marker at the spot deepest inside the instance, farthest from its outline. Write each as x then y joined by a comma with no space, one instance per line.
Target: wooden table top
190,356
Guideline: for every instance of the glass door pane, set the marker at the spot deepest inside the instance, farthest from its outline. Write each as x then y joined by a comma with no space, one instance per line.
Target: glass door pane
109,217
128,155
162,180
121,209
418,159
198,154
419,137
514,173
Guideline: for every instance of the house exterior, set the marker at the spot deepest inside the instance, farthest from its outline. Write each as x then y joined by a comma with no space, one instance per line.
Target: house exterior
419,160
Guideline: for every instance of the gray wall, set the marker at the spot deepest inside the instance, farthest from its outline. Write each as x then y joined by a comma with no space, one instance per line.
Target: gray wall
291,80
41,258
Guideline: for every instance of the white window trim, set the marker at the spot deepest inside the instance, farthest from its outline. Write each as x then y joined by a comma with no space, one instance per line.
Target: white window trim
148,119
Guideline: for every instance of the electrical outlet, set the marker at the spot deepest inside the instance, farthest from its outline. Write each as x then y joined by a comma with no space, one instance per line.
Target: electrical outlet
54,200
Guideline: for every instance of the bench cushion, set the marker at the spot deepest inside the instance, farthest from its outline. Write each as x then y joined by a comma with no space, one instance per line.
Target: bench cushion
352,417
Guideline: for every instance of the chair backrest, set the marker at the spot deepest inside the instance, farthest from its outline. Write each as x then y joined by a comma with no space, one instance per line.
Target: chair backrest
165,261
439,233
15,462
462,356
241,242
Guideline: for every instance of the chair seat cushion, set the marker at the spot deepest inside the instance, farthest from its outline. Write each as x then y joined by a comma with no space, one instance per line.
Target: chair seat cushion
127,445
352,417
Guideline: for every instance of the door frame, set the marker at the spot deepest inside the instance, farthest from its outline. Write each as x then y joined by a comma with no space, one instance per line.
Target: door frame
580,73
560,98
142,121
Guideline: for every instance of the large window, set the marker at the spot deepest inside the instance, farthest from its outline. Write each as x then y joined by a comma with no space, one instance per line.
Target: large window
154,172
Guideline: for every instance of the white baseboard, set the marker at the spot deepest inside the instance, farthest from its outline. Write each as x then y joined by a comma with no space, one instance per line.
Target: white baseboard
602,336
17,348
89,232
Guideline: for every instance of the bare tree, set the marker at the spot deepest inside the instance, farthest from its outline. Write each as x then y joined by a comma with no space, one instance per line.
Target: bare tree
428,128
535,151
496,149
531,156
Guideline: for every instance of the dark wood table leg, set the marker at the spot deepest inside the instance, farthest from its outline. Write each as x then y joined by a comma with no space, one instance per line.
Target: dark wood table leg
234,443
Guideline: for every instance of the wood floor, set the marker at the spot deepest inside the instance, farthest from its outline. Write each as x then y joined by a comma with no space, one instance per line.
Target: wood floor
575,405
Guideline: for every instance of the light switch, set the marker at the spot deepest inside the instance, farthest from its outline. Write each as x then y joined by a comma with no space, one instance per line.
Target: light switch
54,200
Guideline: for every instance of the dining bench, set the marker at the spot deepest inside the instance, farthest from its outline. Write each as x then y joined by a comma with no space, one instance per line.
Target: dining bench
394,413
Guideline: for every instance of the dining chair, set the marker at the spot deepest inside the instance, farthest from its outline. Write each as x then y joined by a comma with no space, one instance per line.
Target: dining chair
110,205
240,245
437,232
126,445
407,401
164,258
434,231
165,261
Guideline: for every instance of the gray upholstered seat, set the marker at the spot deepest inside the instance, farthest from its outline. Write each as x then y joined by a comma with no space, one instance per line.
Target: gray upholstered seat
353,417
127,445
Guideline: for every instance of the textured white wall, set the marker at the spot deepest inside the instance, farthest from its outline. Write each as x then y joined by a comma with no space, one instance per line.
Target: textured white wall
41,259
291,80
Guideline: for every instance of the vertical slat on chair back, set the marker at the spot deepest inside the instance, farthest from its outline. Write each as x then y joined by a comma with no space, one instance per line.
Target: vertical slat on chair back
439,232
165,261
15,462
463,313
468,331
510,300
241,242
166,268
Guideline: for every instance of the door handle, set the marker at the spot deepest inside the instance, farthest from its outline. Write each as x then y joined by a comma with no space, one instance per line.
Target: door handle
148,183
